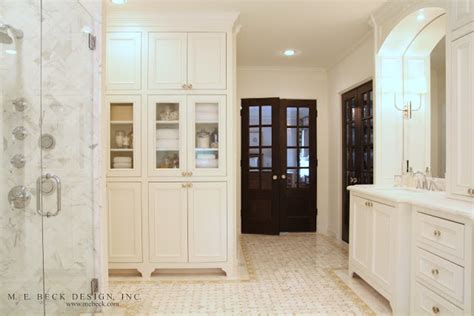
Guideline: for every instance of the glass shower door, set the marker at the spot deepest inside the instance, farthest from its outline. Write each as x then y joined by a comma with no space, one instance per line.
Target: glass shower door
48,161
68,157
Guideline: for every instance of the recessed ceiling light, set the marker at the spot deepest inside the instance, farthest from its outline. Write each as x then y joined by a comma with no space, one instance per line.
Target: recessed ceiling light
118,1
289,52
10,51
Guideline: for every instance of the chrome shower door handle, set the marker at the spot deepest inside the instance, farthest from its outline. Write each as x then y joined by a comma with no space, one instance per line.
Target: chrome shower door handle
39,194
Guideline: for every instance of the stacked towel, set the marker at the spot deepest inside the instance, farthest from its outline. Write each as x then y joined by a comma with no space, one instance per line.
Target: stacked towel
167,138
205,160
122,163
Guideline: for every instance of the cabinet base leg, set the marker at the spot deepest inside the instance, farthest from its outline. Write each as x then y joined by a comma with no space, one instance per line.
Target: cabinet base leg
145,272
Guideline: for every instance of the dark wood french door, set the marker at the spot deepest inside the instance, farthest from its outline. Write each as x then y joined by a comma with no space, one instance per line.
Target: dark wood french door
279,165
357,144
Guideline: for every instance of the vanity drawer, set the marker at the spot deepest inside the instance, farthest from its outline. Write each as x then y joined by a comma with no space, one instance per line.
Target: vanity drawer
440,274
443,236
428,303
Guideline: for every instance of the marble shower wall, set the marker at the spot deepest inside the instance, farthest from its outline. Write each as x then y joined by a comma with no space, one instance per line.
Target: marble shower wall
56,72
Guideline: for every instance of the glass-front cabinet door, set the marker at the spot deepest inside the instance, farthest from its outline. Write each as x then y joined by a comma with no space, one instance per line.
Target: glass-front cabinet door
124,135
166,135
206,136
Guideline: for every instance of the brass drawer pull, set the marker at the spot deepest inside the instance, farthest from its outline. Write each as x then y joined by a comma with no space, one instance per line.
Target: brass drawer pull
435,310
436,233
434,271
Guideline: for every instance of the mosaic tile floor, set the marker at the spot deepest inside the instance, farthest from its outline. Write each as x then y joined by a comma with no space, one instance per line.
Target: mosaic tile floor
287,274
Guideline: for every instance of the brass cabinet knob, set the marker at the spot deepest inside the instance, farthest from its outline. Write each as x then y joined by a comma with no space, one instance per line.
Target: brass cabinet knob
184,185
190,173
434,271
190,185
435,309
184,86
183,173
470,191
190,86
436,233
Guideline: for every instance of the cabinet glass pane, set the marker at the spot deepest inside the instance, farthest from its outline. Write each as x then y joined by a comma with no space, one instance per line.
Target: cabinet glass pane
121,135
303,116
292,178
291,160
303,178
207,135
167,135
266,115
254,157
266,158
254,116
304,157
254,137
304,137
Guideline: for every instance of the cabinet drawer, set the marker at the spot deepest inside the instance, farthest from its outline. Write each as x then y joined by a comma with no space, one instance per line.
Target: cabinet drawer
428,303
440,274
443,236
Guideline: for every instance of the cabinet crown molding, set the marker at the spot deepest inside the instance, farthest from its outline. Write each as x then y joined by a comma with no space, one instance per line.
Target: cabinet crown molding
185,19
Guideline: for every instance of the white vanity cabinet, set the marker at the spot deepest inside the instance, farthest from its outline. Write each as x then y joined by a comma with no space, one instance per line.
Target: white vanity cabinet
123,61
188,222
187,61
441,272
461,118
379,247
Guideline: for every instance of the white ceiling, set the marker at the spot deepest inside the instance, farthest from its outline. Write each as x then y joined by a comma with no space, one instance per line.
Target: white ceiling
321,30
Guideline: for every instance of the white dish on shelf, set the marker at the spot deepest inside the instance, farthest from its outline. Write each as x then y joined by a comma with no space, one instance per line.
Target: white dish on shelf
167,133
167,143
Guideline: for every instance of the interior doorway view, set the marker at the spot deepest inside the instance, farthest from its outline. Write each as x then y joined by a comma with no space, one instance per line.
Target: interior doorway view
279,166
357,144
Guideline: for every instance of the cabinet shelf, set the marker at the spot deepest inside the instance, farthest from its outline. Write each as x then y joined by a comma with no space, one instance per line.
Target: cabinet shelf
120,122
121,149
167,149
167,122
207,122
207,149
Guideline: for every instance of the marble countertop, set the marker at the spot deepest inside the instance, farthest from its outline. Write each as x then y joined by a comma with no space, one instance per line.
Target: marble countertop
438,201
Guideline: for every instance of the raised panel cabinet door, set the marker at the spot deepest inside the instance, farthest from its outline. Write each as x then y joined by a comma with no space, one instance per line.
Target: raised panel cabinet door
462,116
360,232
168,222
124,217
167,135
382,243
123,61
206,130
167,61
461,13
207,224
207,60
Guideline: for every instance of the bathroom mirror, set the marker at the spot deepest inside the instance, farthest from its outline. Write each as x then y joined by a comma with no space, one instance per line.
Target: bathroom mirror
424,101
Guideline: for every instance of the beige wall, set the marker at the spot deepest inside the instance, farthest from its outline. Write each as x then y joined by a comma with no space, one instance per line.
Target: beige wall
295,83
356,68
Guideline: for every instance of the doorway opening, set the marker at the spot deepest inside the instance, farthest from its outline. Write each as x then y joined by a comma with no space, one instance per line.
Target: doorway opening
279,165
357,144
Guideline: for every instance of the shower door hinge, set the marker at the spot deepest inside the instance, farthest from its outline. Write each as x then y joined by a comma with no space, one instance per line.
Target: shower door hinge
92,42
94,286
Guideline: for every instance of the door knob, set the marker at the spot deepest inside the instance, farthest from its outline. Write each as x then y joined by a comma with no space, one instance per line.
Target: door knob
275,177
283,176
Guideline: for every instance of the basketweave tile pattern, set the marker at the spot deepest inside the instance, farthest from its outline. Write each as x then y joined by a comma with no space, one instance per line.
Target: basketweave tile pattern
288,274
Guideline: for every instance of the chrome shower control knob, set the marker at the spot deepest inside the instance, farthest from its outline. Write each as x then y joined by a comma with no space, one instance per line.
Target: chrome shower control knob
19,132
47,141
20,104
19,196
18,161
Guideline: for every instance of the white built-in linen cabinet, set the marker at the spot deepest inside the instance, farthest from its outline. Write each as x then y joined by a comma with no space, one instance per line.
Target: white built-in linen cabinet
170,93
188,222
186,135
187,61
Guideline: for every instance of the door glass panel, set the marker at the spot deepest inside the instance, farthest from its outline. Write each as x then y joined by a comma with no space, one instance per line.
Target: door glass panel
303,116
266,136
304,157
291,159
254,137
254,158
121,135
254,116
167,135
207,135
291,116
304,137
267,158
303,178
291,137
266,115
292,178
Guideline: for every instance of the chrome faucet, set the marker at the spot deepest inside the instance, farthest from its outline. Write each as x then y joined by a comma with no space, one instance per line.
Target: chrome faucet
424,183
